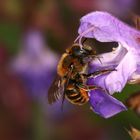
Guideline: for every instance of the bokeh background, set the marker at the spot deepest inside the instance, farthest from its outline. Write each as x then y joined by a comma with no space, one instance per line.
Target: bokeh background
33,35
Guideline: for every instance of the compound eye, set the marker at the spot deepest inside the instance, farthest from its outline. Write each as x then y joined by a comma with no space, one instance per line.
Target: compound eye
78,53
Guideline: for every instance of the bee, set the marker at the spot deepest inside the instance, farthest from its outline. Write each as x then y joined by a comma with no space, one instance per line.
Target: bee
72,76
134,102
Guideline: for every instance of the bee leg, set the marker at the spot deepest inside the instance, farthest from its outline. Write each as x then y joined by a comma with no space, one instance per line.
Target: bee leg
98,73
94,87
89,87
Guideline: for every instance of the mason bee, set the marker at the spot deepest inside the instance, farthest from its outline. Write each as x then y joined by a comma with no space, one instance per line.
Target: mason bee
133,102
72,76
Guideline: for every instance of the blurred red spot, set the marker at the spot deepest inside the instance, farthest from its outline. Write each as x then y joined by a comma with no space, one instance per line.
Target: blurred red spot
138,39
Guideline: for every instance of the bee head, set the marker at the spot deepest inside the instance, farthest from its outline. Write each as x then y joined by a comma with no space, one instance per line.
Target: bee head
76,51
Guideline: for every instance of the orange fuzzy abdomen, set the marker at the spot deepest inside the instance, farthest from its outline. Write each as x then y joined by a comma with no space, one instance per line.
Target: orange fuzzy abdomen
65,63
61,69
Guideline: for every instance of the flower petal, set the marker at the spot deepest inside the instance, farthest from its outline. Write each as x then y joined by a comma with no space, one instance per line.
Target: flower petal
110,58
116,80
100,25
135,77
105,28
104,104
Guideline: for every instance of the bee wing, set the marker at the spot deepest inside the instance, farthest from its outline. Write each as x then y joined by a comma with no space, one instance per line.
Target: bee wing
66,84
56,90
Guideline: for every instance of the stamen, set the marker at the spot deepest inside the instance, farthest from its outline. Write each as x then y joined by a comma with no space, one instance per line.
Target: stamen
80,42
82,35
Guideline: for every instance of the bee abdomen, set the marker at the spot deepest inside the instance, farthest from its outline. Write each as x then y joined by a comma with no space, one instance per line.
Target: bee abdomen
75,97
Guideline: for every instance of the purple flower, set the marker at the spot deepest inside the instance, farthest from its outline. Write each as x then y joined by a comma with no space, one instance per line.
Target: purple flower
104,104
125,59
35,64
